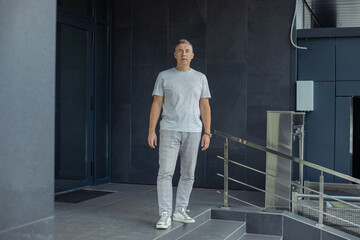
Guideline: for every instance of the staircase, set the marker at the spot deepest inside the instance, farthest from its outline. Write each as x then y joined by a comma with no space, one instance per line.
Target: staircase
281,192
251,224
217,224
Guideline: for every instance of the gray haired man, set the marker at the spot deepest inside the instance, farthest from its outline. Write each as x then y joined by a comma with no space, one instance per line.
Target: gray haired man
182,94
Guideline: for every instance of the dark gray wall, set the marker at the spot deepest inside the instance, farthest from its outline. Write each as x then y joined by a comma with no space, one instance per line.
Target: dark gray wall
27,94
332,63
242,47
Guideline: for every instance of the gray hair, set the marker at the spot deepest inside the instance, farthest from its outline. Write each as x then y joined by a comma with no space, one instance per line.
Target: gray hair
184,41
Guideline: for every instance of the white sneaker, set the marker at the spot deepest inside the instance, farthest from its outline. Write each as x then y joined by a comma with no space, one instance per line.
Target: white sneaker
182,216
164,222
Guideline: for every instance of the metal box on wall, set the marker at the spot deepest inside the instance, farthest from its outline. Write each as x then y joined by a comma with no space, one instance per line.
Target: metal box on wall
305,95
281,129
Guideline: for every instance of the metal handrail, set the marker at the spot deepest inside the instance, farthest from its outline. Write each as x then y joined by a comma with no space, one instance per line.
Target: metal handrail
303,205
238,199
339,198
292,158
352,198
321,195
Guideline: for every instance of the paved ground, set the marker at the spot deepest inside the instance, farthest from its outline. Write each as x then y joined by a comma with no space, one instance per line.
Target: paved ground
130,212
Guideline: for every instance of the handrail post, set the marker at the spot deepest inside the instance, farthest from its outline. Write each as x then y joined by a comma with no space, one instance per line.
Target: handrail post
301,166
226,174
321,199
294,202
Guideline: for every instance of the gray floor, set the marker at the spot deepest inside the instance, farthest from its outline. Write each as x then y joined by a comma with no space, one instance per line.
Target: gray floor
130,212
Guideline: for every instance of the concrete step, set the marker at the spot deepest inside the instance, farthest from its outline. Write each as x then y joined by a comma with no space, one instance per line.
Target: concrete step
249,236
215,229
223,224
178,229
213,225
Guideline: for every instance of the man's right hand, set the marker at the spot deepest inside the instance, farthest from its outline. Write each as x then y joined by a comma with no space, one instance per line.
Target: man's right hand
154,117
152,139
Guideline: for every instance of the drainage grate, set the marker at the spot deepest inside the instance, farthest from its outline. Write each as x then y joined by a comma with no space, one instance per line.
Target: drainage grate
336,209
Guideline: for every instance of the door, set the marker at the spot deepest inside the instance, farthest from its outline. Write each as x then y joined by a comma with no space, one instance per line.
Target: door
74,118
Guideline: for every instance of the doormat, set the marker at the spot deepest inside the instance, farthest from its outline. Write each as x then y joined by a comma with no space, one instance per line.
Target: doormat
79,196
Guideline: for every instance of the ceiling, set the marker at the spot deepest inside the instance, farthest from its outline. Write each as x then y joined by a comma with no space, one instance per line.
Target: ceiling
334,13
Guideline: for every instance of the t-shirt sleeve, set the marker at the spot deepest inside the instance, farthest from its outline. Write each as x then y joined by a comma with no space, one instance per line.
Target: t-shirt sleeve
205,92
158,88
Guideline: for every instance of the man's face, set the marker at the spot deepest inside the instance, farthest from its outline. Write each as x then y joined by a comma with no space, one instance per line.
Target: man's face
184,54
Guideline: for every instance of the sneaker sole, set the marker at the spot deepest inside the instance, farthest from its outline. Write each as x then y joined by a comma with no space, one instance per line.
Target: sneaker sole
183,221
162,226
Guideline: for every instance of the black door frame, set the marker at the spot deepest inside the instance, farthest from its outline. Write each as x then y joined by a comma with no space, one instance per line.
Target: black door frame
71,20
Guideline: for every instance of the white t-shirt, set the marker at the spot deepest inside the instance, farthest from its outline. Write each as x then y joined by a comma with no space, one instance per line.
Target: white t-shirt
182,92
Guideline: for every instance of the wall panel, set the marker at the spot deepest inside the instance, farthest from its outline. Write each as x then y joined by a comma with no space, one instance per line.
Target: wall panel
347,59
246,58
27,134
318,62
319,130
343,157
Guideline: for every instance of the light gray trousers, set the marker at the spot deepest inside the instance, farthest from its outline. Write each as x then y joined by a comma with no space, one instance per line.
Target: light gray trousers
172,144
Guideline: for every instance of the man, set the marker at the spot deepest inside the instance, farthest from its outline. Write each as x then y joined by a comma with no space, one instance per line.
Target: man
183,95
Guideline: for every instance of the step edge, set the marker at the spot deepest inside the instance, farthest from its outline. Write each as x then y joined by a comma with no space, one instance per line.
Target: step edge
261,235
193,229
240,230
200,219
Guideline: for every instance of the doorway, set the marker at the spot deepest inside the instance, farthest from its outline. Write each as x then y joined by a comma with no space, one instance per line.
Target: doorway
82,102
73,117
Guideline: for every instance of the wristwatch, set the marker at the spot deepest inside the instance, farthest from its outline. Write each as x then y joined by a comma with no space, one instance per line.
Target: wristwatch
209,134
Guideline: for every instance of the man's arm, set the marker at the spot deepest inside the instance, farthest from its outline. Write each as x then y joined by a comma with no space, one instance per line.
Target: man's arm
205,112
154,117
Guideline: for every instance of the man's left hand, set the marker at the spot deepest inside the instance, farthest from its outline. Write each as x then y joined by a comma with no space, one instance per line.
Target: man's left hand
205,142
